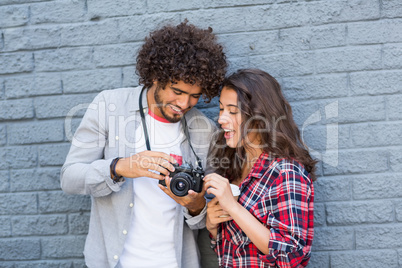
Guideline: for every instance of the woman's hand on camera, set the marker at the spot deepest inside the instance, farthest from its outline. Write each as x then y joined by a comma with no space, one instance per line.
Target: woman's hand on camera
220,187
193,201
139,165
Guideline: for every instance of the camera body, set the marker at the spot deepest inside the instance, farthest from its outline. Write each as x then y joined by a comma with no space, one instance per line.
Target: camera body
185,178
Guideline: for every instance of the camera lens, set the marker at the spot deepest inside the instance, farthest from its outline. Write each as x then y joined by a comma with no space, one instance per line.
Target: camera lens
181,183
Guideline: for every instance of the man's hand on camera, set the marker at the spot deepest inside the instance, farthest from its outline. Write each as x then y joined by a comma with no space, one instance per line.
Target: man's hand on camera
193,201
139,165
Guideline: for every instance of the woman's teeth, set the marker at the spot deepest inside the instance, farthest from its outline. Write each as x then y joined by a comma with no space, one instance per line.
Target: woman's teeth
229,133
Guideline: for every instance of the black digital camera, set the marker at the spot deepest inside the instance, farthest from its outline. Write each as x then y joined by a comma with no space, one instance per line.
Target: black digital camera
185,178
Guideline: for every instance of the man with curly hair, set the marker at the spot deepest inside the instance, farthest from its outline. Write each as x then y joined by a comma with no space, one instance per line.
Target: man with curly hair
130,139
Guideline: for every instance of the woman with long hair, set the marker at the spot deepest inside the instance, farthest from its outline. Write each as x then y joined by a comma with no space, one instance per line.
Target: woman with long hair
259,148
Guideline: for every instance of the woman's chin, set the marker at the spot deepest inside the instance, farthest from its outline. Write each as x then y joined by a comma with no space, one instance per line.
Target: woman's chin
231,144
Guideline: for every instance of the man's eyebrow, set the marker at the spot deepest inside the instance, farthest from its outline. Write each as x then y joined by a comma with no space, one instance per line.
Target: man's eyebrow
181,91
178,89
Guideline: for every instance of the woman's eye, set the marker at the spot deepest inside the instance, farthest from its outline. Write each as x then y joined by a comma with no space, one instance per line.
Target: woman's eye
233,111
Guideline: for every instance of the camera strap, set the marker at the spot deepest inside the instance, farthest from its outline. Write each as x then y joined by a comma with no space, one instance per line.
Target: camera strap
144,126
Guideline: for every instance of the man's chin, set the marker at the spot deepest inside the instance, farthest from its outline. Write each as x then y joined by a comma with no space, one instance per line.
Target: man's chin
172,119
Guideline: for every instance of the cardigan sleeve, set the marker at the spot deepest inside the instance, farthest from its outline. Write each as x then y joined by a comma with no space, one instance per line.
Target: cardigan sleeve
85,170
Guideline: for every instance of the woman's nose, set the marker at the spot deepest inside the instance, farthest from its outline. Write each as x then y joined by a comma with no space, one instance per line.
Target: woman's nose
223,118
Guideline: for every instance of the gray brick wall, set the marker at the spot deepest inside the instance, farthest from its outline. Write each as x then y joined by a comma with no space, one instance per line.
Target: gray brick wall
339,63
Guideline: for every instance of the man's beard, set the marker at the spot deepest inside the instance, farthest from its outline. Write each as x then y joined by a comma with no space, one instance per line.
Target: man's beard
161,107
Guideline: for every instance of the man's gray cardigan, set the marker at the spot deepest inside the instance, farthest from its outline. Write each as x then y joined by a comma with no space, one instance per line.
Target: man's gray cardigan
108,131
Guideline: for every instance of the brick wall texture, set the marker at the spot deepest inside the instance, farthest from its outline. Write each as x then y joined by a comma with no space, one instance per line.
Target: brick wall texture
339,63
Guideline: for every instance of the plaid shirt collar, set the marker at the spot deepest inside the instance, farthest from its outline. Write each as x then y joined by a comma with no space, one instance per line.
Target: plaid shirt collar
259,168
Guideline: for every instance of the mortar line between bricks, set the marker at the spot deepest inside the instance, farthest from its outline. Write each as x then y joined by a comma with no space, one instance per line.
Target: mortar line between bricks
358,201
3,90
367,225
365,149
343,98
345,124
22,4
354,174
360,176
362,201
140,41
29,15
254,56
35,119
364,250
2,41
89,22
274,29
382,55
348,83
381,7
50,95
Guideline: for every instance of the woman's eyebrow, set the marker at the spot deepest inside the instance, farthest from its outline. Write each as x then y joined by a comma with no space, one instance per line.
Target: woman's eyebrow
230,105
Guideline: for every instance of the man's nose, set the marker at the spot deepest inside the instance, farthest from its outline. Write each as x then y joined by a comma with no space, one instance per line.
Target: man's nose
183,102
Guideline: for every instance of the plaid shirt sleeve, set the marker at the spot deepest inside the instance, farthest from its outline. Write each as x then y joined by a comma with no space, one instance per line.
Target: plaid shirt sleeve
287,207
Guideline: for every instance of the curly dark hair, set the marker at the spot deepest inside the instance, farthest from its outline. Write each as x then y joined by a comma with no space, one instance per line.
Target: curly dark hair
182,53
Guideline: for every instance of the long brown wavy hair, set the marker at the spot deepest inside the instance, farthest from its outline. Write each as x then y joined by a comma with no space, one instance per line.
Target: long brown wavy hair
263,108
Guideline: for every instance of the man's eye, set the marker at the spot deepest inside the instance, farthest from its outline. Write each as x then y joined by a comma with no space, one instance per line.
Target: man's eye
177,92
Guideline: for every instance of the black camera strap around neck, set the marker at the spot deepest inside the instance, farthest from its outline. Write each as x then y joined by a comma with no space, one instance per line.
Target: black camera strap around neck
144,127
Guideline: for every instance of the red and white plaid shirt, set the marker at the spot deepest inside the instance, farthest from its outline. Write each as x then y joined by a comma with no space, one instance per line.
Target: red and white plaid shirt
280,194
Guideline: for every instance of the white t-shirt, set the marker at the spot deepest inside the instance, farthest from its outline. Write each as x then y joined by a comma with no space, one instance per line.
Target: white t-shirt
150,240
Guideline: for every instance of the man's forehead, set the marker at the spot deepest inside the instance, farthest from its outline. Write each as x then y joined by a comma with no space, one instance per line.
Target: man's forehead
185,87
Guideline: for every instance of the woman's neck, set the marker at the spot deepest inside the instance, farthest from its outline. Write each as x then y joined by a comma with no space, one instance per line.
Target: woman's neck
251,157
